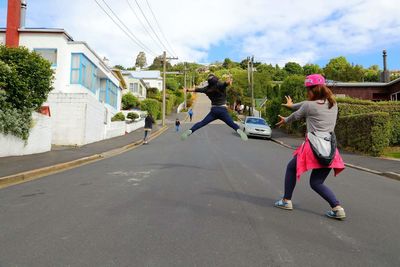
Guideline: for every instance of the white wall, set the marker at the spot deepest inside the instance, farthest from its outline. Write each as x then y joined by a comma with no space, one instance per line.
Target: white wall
154,83
79,119
115,128
2,38
39,139
59,42
130,127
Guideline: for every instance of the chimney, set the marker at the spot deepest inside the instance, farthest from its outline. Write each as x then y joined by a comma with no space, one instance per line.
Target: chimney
23,14
13,23
385,75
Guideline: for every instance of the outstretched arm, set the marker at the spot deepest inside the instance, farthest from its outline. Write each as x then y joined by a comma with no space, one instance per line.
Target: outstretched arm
291,105
295,116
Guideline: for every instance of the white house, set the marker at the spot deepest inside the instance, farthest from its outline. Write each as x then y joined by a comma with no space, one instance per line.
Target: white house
134,85
151,78
86,92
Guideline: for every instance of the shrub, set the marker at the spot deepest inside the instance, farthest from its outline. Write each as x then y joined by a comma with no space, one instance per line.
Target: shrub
170,103
368,133
152,106
26,77
350,106
129,101
132,116
118,117
25,82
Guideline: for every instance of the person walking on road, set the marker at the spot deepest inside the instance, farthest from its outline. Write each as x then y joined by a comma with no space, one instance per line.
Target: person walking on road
148,126
216,92
318,152
177,124
190,112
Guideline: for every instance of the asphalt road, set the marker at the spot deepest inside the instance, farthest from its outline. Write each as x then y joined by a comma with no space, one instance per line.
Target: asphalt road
207,201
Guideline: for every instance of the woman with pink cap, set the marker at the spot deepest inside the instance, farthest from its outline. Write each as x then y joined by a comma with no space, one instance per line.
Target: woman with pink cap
320,112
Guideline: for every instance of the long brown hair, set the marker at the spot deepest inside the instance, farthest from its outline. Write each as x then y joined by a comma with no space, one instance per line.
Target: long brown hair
322,92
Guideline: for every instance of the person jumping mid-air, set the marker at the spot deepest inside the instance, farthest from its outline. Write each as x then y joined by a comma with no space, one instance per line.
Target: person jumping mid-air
216,92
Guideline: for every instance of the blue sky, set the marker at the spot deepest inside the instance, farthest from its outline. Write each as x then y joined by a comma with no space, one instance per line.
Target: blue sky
307,31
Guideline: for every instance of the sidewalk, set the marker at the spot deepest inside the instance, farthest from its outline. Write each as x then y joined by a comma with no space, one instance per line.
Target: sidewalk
376,164
19,164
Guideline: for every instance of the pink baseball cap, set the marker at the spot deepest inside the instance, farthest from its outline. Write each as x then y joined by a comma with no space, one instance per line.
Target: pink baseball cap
314,79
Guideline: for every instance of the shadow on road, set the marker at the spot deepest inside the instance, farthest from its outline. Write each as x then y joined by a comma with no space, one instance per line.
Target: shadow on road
175,165
259,201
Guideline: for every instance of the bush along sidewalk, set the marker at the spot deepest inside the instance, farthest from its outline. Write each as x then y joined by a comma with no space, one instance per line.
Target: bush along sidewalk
367,133
25,82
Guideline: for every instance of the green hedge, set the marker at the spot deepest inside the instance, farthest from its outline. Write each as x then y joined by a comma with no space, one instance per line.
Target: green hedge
170,104
118,117
368,133
152,106
349,106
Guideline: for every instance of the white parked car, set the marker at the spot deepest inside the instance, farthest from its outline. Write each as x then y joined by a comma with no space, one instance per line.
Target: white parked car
254,126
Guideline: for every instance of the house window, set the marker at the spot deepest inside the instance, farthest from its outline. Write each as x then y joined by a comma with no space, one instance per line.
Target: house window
108,92
136,88
48,53
84,72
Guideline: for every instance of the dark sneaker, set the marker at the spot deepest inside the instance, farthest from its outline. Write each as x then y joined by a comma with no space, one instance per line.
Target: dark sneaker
338,214
284,204
186,134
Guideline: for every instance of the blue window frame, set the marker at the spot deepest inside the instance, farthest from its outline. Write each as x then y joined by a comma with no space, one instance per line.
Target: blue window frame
108,92
84,72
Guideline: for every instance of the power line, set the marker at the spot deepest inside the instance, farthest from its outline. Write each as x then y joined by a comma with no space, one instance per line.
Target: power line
128,28
144,26
131,36
159,27
151,27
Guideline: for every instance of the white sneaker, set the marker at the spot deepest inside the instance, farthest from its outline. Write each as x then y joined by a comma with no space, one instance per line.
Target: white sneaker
284,204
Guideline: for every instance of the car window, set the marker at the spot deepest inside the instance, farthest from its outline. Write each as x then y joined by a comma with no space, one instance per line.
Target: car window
256,121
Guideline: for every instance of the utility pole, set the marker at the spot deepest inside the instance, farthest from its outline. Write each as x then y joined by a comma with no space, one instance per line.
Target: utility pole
165,58
252,86
185,70
248,80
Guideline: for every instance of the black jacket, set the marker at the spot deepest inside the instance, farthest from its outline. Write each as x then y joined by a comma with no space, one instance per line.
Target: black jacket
148,122
216,93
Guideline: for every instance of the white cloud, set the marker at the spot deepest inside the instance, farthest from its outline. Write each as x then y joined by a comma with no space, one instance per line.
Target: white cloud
274,31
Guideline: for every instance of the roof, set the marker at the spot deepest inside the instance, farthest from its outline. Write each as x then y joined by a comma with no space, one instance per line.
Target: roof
361,84
43,30
144,74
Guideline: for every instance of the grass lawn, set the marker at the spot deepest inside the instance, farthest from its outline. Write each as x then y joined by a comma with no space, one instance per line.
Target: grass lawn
392,152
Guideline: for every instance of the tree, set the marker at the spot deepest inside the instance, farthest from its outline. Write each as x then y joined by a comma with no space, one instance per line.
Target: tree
129,101
337,69
158,64
25,82
228,64
172,84
120,67
293,68
372,74
309,69
141,60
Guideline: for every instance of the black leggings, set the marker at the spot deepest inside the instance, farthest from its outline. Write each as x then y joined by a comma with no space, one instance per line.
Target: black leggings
215,114
317,180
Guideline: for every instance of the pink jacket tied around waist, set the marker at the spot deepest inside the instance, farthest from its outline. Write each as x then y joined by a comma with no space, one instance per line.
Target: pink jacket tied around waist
306,160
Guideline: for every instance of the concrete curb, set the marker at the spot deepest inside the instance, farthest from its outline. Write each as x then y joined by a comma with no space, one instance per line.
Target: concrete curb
23,177
391,175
